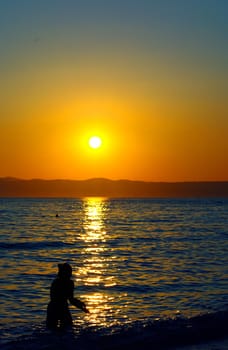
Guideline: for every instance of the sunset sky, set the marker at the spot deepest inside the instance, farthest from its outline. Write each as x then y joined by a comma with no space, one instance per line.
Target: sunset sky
149,77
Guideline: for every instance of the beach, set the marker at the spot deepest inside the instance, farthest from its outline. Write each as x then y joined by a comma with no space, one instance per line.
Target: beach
221,344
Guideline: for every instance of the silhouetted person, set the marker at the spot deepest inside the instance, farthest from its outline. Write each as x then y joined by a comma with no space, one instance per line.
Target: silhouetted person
62,290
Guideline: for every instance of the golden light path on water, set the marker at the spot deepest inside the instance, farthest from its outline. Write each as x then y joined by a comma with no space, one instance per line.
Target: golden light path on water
95,266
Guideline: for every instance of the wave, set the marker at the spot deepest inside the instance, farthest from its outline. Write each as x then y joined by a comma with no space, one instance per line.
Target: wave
150,334
33,245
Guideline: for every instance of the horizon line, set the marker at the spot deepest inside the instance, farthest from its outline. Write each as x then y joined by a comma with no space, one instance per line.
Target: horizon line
108,179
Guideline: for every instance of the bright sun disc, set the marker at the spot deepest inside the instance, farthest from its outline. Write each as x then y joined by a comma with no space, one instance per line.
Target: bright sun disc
95,142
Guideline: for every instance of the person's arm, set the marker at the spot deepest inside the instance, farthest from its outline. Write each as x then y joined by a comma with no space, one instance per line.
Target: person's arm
79,304
76,302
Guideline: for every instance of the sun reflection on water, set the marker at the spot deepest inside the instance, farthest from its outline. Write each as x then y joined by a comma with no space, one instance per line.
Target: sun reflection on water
93,221
95,270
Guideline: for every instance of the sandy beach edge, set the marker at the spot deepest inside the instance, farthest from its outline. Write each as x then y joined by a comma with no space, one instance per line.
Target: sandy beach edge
216,344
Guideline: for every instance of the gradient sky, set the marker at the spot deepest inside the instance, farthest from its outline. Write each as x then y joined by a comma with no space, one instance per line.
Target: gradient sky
148,76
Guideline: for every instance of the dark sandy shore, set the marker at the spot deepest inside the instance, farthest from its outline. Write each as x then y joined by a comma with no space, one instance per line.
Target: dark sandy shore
220,344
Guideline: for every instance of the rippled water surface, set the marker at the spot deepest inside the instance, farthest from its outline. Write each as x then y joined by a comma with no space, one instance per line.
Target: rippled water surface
132,259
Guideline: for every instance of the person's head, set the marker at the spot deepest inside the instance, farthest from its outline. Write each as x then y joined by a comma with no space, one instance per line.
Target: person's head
65,270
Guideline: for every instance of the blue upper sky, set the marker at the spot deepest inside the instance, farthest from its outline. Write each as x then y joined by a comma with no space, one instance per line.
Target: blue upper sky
190,26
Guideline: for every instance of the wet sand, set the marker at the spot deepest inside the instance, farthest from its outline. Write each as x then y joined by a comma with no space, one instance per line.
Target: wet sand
220,344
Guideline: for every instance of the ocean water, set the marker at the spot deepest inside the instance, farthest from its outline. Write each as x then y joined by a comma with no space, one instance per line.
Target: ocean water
143,267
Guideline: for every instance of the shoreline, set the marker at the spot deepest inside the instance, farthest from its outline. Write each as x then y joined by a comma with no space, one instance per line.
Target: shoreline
215,344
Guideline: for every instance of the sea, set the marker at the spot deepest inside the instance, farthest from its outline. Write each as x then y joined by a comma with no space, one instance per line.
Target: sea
152,272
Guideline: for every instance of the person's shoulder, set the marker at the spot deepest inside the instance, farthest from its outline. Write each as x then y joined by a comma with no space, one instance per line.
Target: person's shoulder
71,283
55,281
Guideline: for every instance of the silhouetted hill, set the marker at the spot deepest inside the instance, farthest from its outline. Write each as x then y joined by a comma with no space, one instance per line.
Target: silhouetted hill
12,187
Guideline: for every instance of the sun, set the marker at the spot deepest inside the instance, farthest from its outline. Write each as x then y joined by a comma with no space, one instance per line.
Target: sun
95,142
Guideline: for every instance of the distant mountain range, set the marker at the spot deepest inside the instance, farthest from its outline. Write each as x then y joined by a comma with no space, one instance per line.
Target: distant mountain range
98,187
